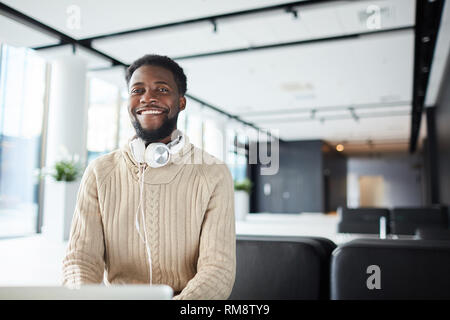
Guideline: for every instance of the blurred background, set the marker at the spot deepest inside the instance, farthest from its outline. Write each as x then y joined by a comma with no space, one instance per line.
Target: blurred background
352,99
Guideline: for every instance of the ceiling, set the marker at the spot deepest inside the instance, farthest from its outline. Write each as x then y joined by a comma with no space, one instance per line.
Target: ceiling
341,75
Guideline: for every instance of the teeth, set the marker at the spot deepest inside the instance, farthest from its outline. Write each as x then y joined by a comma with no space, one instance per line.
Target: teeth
151,112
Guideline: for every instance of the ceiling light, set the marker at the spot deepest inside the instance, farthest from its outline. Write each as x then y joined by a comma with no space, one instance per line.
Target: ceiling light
353,113
340,148
293,12
214,23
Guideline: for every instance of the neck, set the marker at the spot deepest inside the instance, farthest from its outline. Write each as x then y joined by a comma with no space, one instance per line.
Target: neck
164,140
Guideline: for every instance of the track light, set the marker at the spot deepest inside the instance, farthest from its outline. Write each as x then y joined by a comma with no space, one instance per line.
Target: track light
293,12
353,113
214,23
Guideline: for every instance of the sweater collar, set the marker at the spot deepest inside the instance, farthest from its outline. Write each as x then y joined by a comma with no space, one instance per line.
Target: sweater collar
161,175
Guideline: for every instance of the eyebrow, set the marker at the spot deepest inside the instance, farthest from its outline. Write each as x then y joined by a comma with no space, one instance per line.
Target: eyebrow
136,84
162,82
157,82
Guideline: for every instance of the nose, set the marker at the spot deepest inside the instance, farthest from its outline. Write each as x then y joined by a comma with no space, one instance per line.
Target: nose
147,98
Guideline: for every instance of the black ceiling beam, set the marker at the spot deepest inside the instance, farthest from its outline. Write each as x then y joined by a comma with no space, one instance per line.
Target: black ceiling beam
294,43
62,37
428,19
212,19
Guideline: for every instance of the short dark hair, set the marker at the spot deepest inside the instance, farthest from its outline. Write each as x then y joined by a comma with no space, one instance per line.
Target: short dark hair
160,61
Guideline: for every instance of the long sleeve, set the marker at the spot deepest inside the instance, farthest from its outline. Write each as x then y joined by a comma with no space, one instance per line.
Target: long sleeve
216,266
84,261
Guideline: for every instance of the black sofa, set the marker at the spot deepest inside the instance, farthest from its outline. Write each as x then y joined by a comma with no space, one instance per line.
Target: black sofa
408,269
279,268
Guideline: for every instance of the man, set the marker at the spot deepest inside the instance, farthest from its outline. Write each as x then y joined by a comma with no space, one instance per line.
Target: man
170,224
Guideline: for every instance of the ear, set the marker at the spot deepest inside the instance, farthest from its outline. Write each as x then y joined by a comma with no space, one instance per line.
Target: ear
182,103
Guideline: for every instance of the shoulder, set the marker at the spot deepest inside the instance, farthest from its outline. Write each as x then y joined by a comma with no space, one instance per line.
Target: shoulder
101,167
214,170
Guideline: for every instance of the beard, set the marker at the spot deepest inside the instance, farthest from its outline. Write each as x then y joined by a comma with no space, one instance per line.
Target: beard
150,136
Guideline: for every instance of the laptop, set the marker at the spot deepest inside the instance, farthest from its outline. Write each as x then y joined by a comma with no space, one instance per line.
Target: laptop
89,292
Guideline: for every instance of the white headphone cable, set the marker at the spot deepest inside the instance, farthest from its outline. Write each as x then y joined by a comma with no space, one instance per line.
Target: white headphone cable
141,206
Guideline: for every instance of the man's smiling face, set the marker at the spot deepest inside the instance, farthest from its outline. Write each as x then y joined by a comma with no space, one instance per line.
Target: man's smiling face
154,103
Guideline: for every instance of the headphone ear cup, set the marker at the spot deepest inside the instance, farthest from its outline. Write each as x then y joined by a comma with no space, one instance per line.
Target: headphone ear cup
157,155
137,147
178,146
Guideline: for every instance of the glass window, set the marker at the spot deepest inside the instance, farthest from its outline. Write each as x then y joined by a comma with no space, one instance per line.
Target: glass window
182,121
213,139
236,154
194,130
103,112
22,96
194,122
126,130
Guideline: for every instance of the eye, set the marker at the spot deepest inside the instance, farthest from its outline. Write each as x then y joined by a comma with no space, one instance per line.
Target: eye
162,89
136,90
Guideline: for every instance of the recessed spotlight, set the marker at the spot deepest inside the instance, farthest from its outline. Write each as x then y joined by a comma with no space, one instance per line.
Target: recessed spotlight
340,148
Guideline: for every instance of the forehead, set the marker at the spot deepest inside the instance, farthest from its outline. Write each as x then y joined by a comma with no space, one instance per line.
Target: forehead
149,74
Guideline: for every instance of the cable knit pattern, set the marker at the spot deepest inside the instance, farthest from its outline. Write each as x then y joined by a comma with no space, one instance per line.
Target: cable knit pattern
189,219
153,231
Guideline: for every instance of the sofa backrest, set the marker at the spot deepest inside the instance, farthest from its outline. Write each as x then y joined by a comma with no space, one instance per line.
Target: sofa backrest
408,220
362,220
403,269
278,268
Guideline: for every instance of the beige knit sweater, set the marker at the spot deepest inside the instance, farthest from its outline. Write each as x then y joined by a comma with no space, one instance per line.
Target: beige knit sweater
189,219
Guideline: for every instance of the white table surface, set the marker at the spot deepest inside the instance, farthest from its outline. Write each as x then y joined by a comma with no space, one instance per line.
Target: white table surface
299,224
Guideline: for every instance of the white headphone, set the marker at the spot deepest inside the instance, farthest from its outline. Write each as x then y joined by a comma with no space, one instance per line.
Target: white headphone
156,154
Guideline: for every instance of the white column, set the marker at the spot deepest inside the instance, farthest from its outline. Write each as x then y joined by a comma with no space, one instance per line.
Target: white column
67,123
67,129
